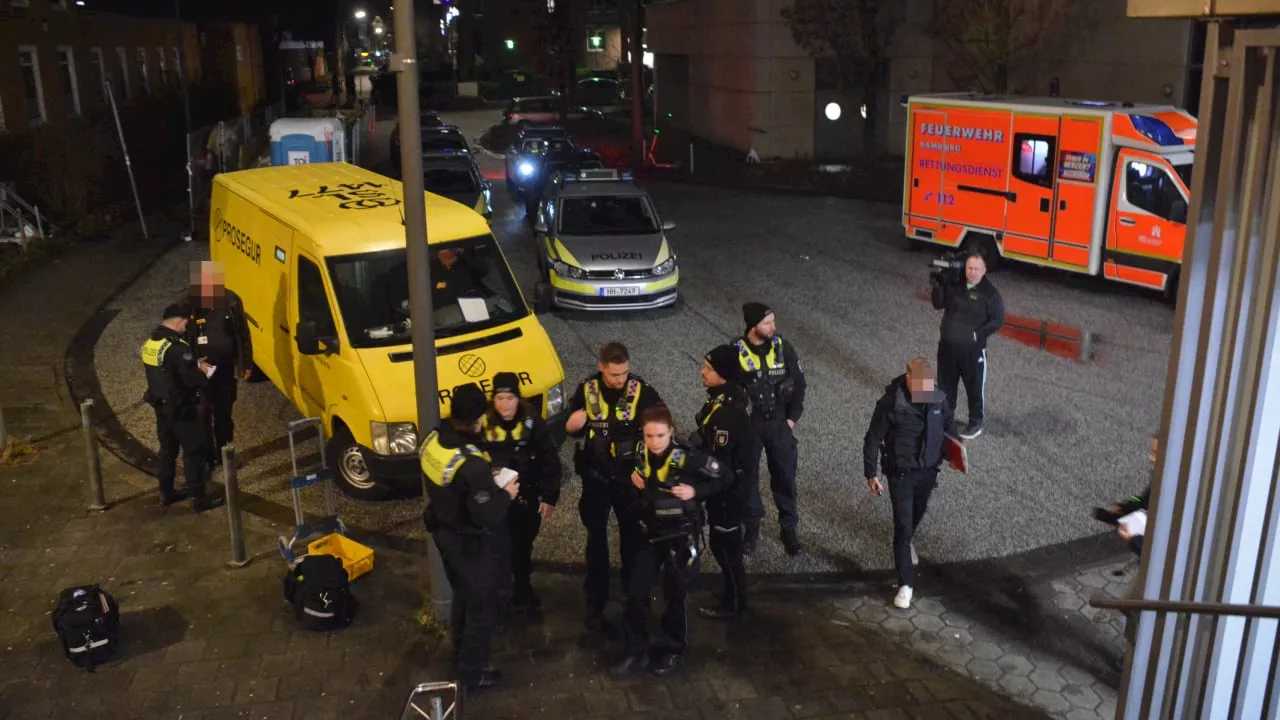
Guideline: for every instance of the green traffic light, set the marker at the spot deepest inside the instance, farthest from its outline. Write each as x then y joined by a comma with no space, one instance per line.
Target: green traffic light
511,44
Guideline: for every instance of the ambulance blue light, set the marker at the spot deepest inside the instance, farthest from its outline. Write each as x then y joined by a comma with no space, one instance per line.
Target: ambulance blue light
1156,130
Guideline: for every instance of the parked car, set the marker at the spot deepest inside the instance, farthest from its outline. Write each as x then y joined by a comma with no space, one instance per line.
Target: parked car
544,111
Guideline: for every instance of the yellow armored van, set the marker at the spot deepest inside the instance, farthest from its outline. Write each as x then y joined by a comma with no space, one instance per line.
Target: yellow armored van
317,254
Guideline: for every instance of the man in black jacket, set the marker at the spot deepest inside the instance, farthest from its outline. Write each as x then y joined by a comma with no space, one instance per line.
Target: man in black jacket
466,507
906,437
725,432
219,333
775,383
972,311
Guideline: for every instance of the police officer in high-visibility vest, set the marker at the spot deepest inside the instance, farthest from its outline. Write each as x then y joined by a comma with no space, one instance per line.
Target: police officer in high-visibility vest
775,384
605,413
174,380
516,437
724,431
466,506
670,480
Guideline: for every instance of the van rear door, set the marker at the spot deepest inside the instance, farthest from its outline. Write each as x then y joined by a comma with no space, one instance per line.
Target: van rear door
928,162
1029,217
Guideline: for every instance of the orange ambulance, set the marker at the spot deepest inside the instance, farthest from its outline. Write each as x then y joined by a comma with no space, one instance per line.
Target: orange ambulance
1082,185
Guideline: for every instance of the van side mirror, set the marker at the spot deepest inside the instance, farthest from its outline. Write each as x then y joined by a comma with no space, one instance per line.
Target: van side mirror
540,227
310,343
1178,211
668,225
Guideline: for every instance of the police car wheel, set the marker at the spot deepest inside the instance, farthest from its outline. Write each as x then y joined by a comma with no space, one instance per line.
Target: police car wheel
543,298
351,473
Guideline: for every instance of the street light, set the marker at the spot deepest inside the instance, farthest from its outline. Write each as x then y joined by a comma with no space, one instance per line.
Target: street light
377,30
360,14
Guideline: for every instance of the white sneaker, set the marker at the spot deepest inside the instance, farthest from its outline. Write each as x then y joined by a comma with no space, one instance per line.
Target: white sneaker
903,600
915,559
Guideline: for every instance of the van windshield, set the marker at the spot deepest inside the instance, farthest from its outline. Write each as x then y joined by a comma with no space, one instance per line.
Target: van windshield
1184,172
472,290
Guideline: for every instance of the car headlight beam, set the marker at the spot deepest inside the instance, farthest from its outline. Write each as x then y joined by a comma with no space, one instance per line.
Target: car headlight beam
566,270
667,267
555,399
525,168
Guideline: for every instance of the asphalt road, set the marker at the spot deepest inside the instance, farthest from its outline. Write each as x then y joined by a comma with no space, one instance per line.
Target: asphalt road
1061,436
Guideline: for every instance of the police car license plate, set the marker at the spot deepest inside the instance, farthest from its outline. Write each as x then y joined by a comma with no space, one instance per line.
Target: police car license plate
620,291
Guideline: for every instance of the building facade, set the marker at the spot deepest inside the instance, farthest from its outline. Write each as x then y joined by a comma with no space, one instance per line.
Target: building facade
729,71
58,60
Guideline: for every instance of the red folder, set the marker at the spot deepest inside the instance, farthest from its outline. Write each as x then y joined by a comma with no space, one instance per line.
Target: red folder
956,453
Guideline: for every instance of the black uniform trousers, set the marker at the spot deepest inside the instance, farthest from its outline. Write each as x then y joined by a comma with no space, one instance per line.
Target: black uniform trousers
523,524
470,564
219,399
782,456
725,518
668,558
181,431
967,364
599,497
909,493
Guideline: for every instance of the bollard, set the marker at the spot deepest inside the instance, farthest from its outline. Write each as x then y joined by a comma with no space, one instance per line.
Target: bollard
97,500
4,437
238,559
1086,346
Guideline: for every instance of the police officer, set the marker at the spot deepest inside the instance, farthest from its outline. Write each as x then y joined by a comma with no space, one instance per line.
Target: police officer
775,384
906,432
516,437
175,378
669,479
220,335
466,506
725,432
605,413
972,311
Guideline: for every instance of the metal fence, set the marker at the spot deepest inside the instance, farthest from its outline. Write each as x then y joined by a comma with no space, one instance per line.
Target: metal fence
227,145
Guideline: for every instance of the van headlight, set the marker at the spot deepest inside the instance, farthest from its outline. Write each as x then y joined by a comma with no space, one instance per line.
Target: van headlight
566,270
667,267
555,399
525,168
394,438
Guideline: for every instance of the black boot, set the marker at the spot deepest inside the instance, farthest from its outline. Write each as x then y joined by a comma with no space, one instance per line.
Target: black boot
791,542
750,536
171,496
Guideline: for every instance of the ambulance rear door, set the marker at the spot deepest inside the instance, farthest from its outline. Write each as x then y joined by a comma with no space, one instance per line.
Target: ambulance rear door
1029,219
928,163
1078,212
976,186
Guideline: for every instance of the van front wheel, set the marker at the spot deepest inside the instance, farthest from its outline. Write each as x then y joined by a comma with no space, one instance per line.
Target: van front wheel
351,473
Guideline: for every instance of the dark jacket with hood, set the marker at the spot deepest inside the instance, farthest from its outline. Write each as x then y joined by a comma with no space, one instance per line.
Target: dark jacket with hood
906,435
969,315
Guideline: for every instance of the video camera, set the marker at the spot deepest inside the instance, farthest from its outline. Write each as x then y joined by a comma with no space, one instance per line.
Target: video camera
949,265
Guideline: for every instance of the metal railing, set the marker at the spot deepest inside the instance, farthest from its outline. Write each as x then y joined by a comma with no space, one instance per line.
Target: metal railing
1269,612
21,222
227,145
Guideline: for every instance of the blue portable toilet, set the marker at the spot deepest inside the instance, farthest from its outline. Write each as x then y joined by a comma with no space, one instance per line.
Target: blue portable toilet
300,141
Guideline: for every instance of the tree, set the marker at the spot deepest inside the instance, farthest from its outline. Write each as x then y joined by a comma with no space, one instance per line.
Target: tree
855,36
996,43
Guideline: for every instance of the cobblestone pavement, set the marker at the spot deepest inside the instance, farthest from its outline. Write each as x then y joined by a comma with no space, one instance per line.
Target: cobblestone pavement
201,640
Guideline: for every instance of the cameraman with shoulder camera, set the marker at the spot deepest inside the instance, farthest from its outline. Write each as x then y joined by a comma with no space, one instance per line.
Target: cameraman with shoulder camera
972,311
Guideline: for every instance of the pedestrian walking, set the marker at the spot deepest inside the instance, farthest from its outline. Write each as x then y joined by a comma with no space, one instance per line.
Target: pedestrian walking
972,311
906,434
775,384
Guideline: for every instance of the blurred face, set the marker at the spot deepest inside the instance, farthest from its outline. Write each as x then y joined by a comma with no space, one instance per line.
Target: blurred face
920,387
657,437
506,405
766,328
208,280
614,374
974,270
710,378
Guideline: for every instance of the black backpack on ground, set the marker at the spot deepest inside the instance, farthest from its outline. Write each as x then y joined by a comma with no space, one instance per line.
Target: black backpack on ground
320,593
87,621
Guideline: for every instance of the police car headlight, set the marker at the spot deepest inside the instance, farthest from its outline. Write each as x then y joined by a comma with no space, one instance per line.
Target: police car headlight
667,267
555,399
567,270
525,168
394,438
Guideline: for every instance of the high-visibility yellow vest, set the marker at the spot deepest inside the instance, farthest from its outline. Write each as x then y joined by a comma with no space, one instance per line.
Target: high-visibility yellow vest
440,463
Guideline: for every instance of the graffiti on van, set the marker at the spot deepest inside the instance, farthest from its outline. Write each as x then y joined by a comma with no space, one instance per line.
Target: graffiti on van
352,196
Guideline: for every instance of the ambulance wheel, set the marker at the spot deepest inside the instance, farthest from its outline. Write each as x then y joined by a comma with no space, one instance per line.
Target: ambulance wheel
350,472
543,299
985,246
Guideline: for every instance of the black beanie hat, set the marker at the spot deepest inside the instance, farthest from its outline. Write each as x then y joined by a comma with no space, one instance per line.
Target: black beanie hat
506,382
754,312
468,403
724,360
176,310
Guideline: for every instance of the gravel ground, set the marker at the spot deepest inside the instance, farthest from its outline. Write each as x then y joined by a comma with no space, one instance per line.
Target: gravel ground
1061,436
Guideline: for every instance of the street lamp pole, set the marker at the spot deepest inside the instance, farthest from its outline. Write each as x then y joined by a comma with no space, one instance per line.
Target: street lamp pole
184,78
405,63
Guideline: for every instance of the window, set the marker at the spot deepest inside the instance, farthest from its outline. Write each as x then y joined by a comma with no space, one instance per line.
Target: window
239,53
450,181
161,69
142,72
313,302
2,128
1151,189
607,215
99,70
67,77
1033,158
123,58
177,67
29,63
